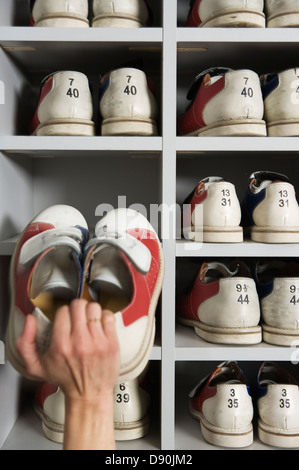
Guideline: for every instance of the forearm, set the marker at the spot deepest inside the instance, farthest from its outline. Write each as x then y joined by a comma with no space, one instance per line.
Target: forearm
89,424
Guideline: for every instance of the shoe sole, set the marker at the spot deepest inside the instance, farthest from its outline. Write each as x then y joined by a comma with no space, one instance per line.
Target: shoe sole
277,437
215,235
53,431
285,20
127,126
62,20
65,127
11,352
122,431
223,437
239,19
272,235
213,334
132,430
116,20
248,127
279,336
283,128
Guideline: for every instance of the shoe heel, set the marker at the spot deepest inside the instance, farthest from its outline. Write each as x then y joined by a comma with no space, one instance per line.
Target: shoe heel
115,21
283,21
238,19
218,437
277,437
283,128
247,127
117,126
66,127
62,21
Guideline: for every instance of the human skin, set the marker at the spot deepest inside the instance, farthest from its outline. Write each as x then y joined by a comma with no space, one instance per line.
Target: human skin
83,360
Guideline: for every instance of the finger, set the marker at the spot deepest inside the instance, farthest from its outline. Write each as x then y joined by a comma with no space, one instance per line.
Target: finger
27,348
62,326
78,316
94,317
109,325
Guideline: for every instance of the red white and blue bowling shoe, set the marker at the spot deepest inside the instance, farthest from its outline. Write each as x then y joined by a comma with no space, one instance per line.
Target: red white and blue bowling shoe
224,102
123,271
270,209
127,103
282,14
281,102
222,305
121,14
45,273
226,13
223,405
277,283
278,406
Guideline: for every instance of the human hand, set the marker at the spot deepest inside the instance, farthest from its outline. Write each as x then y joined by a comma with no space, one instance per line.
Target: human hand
83,356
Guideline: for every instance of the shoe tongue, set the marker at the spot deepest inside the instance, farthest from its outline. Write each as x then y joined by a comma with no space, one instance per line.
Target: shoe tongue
212,72
134,249
261,179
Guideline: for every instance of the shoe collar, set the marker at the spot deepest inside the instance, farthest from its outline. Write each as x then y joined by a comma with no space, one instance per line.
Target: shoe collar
220,270
226,372
211,73
261,179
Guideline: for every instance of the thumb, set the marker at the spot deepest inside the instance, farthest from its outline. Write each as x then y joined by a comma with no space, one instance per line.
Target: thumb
27,348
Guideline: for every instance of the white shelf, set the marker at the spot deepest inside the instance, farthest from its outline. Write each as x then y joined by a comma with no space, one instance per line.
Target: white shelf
33,146
190,347
237,144
27,434
17,36
185,248
237,35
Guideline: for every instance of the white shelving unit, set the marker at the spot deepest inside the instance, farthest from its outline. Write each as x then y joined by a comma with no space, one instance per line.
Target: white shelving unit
36,172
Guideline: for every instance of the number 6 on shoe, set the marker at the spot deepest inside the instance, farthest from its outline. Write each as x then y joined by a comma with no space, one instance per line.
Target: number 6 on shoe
123,271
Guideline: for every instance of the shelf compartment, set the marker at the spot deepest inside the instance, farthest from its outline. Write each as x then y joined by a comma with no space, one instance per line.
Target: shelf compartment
187,429
40,49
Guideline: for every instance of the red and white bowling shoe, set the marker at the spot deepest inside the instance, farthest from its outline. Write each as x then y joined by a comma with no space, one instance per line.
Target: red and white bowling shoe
224,102
222,403
45,273
131,410
226,13
64,106
222,305
123,271
212,212
59,13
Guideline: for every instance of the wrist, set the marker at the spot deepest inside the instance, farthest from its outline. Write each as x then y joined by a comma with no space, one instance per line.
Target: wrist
89,422
93,401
